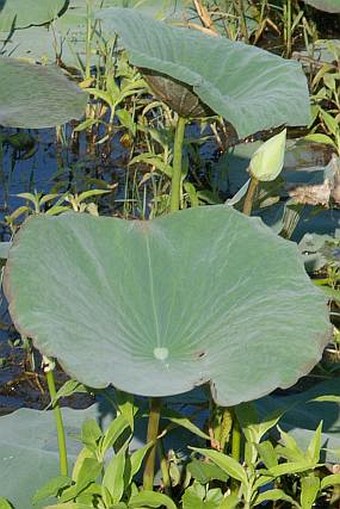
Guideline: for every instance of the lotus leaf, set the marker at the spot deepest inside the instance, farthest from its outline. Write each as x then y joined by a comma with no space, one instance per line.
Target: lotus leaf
251,88
69,29
29,450
325,5
157,307
19,14
36,96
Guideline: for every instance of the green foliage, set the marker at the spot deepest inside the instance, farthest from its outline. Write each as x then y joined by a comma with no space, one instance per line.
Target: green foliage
151,267
173,345
53,99
100,478
326,102
240,97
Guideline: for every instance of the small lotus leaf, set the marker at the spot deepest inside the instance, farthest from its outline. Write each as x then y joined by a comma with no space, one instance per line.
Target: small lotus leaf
251,88
36,96
158,307
19,14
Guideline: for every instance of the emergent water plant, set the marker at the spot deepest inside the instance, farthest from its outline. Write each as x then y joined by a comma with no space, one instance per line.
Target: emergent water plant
207,295
200,75
158,307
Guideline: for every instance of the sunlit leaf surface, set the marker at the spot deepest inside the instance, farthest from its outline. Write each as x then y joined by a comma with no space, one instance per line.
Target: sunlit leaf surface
36,96
158,307
251,88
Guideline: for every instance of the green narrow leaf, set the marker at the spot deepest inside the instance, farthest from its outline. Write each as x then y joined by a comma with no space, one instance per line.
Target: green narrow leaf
274,495
267,454
70,505
330,480
184,422
88,473
90,433
136,459
320,138
230,502
151,499
314,447
69,388
290,468
51,488
126,407
228,464
205,472
310,486
114,478
111,435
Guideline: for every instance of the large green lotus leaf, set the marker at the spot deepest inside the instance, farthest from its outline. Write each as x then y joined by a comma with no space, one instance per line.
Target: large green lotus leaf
29,450
69,30
251,88
325,5
158,307
20,14
36,96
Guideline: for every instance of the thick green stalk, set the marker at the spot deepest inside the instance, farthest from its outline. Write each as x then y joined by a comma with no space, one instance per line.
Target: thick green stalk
236,439
235,448
152,434
249,199
175,194
48,369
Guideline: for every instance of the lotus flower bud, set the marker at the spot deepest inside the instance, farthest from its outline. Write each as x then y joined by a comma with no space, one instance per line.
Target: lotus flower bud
267,162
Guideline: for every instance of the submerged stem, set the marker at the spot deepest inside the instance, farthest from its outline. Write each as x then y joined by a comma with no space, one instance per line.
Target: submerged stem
175,194
152,434
249,199
48,369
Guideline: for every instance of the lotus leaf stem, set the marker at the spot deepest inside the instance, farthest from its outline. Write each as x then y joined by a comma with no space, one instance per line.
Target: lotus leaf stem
175,194
48,370
152,434
249,199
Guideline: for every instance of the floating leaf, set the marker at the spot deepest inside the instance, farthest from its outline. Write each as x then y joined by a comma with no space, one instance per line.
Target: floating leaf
158,307
36,96
251,88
